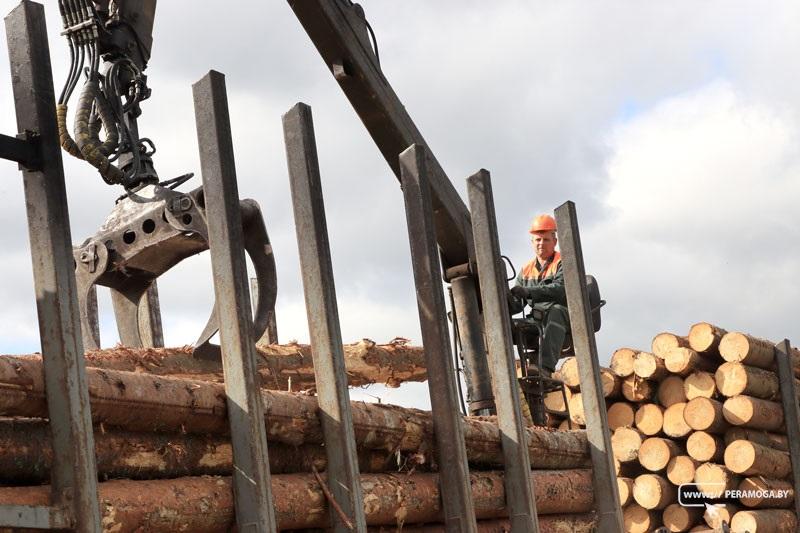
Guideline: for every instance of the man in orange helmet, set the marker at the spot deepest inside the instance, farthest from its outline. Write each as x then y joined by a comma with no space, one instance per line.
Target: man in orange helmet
540,284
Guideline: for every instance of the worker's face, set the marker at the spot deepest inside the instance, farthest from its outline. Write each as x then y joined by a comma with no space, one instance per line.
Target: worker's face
544,244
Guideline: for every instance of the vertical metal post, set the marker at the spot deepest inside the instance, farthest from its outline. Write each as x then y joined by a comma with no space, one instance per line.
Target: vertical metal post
73,474
609,511
150,327
791,412
497,327
476,367
323,318
251,479
271,334
93,319
451,452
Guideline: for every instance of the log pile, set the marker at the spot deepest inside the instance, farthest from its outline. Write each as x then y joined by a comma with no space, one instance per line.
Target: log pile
706,410
164,456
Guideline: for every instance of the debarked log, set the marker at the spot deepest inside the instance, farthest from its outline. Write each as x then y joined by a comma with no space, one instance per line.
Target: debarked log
279,365
142,402
205,504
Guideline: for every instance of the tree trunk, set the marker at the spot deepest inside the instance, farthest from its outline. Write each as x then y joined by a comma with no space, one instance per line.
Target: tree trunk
765,521
555,400
620,414
769,490
714,479
635,389
699,384
751,459
734,379
753,413
705,337
742,348
671,391
683,361
655,453
391,364
576,409
637,519
205,504
139,402
557,523
649,366
770,440
649,419
663,342
674,424
676,517
681,469
625,443
569,373
622,362
611,383
723,512
625,487
705,447
654,492
705,414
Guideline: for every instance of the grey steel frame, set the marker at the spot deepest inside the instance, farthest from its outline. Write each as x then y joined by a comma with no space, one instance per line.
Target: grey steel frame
607,503
323,320
791,411
497,326
74,504
451,452
251,478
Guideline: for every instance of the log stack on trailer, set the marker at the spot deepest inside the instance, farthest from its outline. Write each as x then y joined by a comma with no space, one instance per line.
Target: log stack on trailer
707,411
164,455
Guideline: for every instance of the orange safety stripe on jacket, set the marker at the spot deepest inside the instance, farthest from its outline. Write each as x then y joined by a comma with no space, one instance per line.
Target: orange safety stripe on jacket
529,271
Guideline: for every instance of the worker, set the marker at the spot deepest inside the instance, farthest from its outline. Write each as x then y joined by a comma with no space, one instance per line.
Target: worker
540,285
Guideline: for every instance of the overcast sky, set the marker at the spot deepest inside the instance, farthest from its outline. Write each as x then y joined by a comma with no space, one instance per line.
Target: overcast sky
675,127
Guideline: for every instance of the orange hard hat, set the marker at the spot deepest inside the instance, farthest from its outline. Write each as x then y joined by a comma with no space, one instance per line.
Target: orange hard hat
543,223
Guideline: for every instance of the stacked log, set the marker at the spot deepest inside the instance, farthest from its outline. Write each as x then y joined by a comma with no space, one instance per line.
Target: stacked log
164,457
707,410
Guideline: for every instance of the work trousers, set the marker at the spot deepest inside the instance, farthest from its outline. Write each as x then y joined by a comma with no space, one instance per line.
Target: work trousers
555,325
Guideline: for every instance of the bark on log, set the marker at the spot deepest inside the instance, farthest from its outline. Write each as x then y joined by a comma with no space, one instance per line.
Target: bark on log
705,447
663,342
622,362
652,491
699,384
205,504
635,389
625,487
649,366
770,440
27,455
760,492
621,414
671,391
559,523
683,361
753,413
705,414
569,373
625,444
637,519
140,402
714,479
678,518
649,419
674,424
681,469
655,453
723,512
734,379
705,337
742,348
366,362
765,521
751,459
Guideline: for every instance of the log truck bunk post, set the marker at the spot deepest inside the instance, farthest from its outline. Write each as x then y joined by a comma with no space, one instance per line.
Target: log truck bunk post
437,217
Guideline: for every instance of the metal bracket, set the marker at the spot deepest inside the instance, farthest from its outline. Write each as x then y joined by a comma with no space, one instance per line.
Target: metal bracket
25,149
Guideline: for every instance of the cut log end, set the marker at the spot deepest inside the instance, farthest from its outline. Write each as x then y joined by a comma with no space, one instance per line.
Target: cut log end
705,337
765,521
